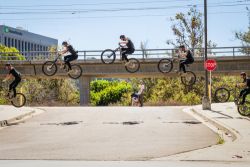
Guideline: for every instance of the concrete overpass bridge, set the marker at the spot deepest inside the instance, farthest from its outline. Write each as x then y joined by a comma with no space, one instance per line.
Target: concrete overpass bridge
230,61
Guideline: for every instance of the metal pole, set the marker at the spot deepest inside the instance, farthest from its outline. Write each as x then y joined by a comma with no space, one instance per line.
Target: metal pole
206,105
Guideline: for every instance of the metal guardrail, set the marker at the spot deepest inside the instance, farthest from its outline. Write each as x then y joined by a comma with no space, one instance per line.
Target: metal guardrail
92,55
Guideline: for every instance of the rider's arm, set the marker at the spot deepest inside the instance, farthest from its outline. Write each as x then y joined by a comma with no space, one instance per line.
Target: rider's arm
124,42
65,50
7,77
182,54
241,85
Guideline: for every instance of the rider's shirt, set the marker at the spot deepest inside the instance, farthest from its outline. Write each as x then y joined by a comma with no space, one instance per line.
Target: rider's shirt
247,81
189,55
15,73
71,50
130,45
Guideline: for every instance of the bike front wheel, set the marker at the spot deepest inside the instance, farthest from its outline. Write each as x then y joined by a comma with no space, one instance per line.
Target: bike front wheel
133,65
19,100
165,65
76,71
221,95
244,110
108,56
49,68
188,78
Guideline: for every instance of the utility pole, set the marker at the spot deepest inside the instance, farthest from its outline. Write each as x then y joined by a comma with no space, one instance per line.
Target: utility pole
206,105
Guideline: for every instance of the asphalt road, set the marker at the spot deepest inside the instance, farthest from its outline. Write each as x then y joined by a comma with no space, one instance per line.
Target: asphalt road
104,133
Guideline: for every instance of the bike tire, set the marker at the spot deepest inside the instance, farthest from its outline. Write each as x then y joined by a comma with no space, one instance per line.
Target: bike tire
133,66
47,70
188,81
221,95
108,56
19,100
165,65
77,71
244,110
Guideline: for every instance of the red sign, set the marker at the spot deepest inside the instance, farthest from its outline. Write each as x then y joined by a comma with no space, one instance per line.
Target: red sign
210,65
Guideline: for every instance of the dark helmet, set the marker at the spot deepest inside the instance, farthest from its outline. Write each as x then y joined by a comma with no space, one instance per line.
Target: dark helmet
122,36
243,74
182,46
64,43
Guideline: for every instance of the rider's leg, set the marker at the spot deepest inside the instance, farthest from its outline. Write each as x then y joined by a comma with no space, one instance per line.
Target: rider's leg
244,94
184,63
66,58
182,66
13,86
10,88
125,52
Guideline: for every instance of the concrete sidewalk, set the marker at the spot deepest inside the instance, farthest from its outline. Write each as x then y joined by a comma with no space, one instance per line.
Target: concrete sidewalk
11,114
233,129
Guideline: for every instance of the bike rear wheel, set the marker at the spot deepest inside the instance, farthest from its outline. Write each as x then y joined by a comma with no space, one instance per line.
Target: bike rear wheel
76,71
108,56
188,79
221,95
133,65
19,100
244,110
165,65
49,68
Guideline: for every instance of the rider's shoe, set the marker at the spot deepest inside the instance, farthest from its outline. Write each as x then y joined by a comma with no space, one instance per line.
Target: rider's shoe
127,63
70,71
62,67
184,74
178,72
7,95
241,103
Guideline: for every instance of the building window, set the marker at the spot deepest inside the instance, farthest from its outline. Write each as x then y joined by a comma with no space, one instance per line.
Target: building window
25,47
12,42
5,41
28,46
22,46
8,42
32,49
15,43
19,45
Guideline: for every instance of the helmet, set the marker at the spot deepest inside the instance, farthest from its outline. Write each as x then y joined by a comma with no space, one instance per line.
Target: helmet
64,43
243,73
122,36
182,46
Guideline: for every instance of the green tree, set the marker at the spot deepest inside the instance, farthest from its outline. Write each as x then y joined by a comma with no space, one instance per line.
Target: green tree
105,92
188,30
10,53
244,37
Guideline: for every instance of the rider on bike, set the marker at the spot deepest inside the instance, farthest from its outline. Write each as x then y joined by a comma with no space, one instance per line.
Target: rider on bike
127,49
71,56
12,73
246,84
187,54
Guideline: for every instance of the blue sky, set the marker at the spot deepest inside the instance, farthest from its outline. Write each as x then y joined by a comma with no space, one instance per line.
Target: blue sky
86,29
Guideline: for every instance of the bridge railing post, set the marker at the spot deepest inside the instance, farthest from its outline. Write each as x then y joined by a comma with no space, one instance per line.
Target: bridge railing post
233,52
143,54
84,54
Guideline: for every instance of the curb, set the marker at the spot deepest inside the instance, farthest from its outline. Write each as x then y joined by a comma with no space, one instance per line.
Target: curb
8,122
219,125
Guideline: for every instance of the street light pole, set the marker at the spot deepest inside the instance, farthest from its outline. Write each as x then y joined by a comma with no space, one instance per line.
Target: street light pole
206,105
